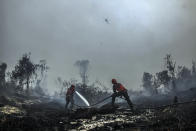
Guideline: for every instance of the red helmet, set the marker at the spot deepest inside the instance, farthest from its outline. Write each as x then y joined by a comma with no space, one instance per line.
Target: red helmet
114,81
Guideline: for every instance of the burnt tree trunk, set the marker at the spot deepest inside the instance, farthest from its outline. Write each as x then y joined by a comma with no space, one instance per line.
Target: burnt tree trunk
28,84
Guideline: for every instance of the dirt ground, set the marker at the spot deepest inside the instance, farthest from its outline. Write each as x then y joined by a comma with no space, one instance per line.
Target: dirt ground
19,112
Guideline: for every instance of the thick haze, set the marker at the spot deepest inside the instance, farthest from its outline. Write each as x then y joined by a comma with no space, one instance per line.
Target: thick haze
135,39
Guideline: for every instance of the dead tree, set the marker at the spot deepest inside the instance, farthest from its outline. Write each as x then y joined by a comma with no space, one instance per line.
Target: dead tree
193,68
42,71
83,66
170,66
3,68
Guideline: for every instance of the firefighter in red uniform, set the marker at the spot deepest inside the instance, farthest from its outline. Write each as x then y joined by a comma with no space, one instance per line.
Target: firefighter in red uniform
69,96
120,90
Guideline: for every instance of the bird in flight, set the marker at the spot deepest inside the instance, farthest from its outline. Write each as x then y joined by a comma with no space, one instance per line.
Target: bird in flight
107,21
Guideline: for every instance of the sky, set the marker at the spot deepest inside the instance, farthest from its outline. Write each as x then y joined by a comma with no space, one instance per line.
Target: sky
136,38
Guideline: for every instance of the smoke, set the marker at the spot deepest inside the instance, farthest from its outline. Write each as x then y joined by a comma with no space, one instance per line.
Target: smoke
83,66
163,90
139,33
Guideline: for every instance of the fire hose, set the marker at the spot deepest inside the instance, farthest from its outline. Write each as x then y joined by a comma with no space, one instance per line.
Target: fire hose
157,107
95,103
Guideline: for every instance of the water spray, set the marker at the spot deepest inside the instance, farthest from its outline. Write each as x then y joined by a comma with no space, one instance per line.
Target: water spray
82,98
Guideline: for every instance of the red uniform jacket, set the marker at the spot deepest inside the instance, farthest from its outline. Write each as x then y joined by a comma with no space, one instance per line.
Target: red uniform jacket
118,87
70,91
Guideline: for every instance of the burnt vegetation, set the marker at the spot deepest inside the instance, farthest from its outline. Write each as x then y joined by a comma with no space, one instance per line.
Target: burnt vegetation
167,101
171,79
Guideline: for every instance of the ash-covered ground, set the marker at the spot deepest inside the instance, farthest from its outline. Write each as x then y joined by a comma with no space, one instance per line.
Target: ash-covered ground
20,112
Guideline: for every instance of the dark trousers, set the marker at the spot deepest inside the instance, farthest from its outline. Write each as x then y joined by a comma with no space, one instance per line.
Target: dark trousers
122,93
69,99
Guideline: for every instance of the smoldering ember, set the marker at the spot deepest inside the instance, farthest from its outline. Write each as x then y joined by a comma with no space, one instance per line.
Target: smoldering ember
167,101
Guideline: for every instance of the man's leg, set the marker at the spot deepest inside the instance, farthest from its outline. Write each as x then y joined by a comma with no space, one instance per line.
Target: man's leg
114,97
128,100
67,103
72,102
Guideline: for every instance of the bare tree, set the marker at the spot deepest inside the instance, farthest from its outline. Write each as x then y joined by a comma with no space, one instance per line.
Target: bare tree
3,68
170,65
83,66
193,68
43,68
42,73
